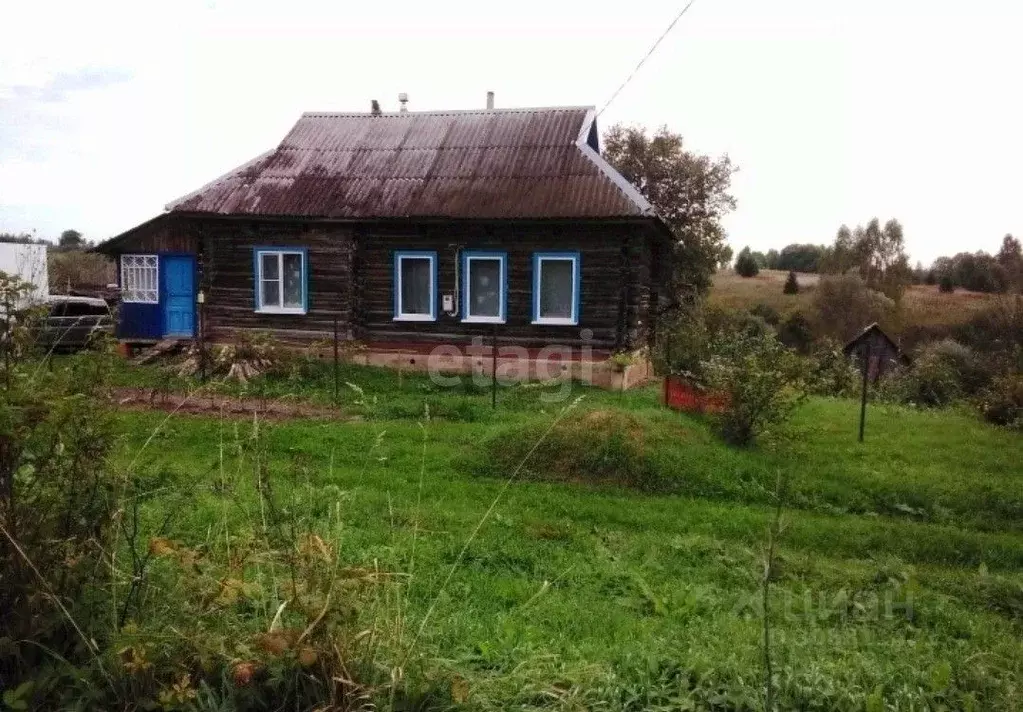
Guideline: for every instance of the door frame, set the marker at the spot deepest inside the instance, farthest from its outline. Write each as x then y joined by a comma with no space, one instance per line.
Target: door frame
164,292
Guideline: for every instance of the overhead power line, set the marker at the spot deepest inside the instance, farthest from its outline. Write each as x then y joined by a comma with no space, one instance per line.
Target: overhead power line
647,55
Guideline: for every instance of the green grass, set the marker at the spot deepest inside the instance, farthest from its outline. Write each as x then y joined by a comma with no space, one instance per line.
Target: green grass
582,593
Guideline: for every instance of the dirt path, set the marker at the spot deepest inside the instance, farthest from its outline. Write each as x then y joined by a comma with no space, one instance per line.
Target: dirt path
200,403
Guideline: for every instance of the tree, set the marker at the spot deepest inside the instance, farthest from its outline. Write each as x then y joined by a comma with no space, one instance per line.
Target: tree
843,255
725,257
772,259
1010,257
761,259
801,258
690,192
878,253
844,304
71,238
746,265
791,284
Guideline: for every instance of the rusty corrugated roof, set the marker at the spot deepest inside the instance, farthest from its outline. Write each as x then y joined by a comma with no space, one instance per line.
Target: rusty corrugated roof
495,163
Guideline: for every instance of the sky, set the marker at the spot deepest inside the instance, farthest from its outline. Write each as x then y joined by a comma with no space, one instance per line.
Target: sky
835,112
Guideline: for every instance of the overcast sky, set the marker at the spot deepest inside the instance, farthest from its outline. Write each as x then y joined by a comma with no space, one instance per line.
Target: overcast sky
835,111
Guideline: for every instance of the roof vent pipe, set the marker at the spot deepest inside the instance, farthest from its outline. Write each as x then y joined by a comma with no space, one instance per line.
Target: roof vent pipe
374,107
403,100
490,100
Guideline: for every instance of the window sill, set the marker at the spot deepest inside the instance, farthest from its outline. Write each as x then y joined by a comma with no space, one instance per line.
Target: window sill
415,317
483,320
281,310
555,322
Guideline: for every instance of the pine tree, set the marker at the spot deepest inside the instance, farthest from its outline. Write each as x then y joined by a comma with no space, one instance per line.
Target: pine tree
791,284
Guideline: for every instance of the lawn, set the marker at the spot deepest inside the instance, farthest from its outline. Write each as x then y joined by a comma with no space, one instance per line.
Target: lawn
900,573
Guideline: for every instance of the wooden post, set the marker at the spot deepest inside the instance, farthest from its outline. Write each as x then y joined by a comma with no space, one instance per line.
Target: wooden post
335,364
863,395
493,368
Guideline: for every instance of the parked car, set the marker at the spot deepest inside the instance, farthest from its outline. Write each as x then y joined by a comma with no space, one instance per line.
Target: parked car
72,323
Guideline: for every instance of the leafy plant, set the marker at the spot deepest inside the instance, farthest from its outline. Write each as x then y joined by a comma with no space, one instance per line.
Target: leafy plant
1002,402
746,265
791,284
762,380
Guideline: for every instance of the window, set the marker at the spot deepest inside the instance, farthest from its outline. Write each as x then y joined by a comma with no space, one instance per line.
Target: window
140,282
484,286
415,286
281,281
556,288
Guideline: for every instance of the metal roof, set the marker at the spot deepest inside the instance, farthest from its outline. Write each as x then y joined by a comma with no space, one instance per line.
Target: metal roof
482,164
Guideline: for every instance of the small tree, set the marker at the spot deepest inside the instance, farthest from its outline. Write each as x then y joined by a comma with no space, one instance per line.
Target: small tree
71,238
762,380
791,284
946,283
746,265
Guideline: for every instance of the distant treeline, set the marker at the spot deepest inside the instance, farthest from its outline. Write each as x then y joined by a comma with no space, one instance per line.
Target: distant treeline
976,271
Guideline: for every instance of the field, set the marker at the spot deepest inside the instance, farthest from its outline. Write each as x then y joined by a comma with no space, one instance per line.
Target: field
922,306
603,553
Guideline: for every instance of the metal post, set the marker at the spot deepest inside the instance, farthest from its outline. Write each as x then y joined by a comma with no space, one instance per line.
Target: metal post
863,396
493,368
335,363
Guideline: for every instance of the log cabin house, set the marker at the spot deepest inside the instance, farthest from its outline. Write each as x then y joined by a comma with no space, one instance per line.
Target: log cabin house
408,230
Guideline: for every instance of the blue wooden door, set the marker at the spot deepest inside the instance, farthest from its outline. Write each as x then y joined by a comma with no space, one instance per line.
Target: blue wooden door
178,295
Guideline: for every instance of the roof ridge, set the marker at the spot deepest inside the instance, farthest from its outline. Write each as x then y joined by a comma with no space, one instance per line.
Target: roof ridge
440,112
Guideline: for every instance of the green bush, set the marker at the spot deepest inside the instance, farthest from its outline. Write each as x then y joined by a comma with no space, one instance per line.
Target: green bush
1002,402
831,372
796,332
746,264
761,379
767,313
931,381
973,371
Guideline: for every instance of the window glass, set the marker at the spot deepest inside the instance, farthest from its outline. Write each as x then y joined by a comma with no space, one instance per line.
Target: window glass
292,280
484,287
556,288
416,286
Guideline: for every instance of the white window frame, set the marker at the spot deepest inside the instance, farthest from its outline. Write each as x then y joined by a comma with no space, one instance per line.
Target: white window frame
399,257
538,259
468,257
131,277
279,308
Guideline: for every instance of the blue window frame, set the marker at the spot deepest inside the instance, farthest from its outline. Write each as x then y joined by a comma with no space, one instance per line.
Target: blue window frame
484,286
415,285
556,287
281,279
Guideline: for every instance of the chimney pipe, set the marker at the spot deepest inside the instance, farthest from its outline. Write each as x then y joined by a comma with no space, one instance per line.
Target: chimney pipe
403,100
374,107
490,100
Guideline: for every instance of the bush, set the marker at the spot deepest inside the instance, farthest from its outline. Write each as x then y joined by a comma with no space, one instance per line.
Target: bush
1002,402
946,283
746,265
796,332
932,381
844,305
791,284
972,371
761,379
831,372
766,312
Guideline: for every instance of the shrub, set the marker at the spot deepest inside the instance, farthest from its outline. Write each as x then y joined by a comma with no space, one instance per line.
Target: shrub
843,305
791,284
766,312
972,371
1002,402
831,372
761,379
931,381
746,265
946,283
796,332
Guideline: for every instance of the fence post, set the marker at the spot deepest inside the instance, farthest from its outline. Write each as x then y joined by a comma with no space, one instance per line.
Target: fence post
863,395
493,368
335,364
